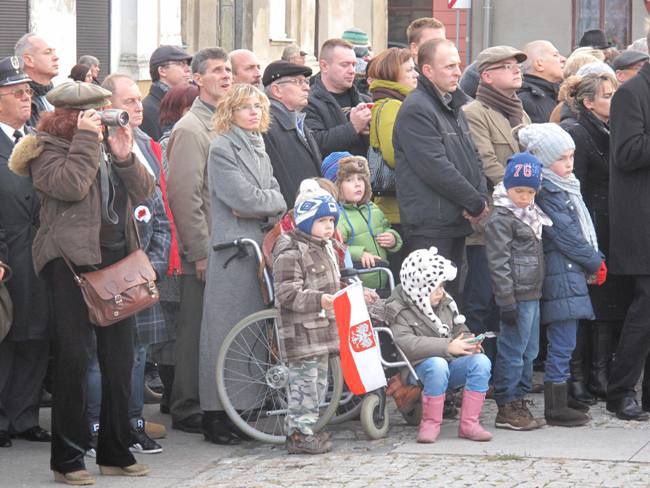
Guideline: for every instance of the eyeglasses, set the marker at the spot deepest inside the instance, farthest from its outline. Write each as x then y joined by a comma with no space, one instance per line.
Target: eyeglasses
182,64
257,107
19,93
294,81
508,67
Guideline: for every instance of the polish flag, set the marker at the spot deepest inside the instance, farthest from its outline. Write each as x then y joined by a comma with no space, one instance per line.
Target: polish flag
360,354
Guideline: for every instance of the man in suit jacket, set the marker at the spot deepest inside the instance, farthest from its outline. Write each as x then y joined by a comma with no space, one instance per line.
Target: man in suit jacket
289,143
24,352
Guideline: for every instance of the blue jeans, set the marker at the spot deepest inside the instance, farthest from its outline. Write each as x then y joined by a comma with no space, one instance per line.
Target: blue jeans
437,375
516,349
561,337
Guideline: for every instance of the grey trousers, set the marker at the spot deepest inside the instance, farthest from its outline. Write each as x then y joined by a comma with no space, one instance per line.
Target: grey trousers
185,392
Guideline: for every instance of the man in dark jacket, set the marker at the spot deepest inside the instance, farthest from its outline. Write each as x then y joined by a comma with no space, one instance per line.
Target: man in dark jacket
542,77
289,143
629,211
168,66
24,352
440,183
338,116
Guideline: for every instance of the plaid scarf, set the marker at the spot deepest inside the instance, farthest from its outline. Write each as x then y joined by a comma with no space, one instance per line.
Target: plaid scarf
533,216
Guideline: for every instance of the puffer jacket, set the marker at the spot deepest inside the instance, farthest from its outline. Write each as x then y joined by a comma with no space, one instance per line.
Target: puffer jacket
302,273
569,259
359,225
539,97
515,258
414,332
66,175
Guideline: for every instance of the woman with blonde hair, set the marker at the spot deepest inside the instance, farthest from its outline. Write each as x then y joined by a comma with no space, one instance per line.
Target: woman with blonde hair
245,200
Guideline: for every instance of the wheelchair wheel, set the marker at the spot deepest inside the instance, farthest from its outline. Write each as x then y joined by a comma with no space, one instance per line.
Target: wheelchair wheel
349,407
413,416
249,366
372,425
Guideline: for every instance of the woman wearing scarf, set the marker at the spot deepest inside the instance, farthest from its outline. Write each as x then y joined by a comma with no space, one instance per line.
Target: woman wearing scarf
571,255
245,199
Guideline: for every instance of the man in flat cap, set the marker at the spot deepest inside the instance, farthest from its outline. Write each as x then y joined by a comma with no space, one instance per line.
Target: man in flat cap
628,63
293,54
168,67
24,352
289,143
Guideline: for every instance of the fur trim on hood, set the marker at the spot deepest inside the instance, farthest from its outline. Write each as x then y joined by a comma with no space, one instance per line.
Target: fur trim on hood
28,148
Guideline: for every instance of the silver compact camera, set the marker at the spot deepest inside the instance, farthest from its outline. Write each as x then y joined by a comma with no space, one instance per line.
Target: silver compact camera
114,117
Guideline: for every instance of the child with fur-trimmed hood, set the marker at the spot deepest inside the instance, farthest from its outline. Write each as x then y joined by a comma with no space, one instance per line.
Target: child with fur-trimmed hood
428,328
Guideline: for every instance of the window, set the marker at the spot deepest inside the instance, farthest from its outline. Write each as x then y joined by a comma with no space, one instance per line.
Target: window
401,13
94,32
13,24
613,17
278,20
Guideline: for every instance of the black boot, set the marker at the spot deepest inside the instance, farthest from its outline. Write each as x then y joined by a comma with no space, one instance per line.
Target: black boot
215,429
645,387
556,409
166,373
600,356
577,389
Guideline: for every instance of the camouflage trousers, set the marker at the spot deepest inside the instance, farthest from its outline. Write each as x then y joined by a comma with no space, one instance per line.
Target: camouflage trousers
307,390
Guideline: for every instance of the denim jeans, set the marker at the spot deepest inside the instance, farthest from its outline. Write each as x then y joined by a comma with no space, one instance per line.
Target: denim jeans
561,338
437,375
516,349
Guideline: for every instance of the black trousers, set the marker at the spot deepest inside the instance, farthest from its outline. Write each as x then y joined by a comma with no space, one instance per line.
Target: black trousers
451,248
22,368
633,345
72,346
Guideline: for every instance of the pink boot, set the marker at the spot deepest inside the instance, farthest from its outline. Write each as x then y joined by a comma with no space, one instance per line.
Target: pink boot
432,407
469,426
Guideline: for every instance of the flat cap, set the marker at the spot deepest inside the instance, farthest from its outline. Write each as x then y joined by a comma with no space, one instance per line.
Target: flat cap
10,72
628,58
78,95
280,69
292,51
496,54
167,53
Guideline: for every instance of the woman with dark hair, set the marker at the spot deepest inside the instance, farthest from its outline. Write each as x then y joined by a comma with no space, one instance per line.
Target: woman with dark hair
89,224
81,72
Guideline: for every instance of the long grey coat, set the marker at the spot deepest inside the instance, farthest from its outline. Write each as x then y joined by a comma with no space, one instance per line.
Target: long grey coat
240,179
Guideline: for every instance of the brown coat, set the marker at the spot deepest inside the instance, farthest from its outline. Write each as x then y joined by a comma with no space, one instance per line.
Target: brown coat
65,175
302,273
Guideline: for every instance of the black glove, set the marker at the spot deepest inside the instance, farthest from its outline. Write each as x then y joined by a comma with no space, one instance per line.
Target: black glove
509,315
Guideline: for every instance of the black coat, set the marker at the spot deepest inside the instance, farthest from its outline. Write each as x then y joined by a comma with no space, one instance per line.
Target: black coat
19,208
539,98
591,167
438,171
330,124
151,107
629,183
293,157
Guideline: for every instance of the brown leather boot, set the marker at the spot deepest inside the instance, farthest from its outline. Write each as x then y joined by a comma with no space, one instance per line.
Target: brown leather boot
405,396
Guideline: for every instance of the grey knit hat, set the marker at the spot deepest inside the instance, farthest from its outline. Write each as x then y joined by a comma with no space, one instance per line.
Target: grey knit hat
547,142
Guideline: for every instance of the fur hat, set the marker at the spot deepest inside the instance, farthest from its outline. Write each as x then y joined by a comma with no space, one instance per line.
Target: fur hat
548,142
312,204
350,166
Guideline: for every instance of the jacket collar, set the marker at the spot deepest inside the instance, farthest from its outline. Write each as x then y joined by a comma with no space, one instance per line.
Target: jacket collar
203,112
539,86
310,240
238,139
283,116
458,97
499,121
318,90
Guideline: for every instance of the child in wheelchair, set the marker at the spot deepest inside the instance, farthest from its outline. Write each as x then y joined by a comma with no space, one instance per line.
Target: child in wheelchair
427,326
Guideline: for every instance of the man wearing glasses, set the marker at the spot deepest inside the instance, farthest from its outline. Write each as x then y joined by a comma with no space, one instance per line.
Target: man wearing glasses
168,66
24,352
289,143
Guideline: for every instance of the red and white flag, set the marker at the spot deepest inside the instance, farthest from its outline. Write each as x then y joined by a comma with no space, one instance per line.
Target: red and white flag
360,354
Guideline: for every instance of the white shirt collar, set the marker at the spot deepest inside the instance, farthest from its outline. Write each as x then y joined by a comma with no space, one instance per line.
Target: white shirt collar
9,131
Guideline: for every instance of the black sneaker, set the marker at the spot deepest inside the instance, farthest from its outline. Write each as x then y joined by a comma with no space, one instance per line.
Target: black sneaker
140,441
92,447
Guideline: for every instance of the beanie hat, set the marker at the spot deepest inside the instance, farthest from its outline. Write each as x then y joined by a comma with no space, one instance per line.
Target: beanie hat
349,166
523,169
331,164
313,203
546,141
595,68
422,272
355,36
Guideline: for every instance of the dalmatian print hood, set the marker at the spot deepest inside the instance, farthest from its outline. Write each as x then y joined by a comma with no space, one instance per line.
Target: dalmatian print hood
421,273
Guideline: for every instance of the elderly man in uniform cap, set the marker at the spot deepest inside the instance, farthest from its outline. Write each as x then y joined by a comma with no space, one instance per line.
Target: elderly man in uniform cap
289,143
24,352
168,66
628,63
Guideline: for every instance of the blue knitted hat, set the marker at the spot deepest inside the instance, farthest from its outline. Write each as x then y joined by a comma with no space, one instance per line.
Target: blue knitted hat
523,169
330,164
313,203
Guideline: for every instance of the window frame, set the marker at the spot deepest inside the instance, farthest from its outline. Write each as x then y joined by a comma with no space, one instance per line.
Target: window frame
601,21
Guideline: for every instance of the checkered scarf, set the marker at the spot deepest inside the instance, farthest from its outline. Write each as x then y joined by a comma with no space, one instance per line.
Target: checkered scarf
533,216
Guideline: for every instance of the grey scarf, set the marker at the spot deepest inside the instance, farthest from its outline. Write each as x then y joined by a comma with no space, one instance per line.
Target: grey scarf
253,140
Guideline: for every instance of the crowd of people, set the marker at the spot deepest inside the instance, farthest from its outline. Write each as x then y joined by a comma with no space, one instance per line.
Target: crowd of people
526,174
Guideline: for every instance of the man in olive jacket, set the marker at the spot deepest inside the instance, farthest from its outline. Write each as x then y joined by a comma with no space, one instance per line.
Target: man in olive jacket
440,183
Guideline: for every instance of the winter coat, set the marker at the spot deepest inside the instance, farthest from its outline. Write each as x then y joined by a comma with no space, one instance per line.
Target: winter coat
302,273
66,176
515,258
241,180
591,167
294,157
569,259
438,170
629,178
415,333
187,185
359,225
330,124
151,107
539,98
19,208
